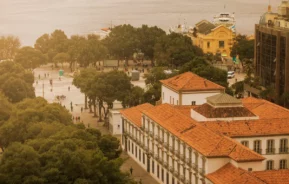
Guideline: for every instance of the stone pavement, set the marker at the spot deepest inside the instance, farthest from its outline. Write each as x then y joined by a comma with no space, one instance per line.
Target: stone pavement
139,174
60,87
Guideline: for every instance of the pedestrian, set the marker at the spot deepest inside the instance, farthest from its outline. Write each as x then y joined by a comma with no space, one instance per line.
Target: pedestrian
64,106
81,109
68,88
71,108
131,169
71,103
79,118
60,78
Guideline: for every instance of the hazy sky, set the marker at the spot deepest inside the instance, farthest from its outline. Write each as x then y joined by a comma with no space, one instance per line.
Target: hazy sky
29,19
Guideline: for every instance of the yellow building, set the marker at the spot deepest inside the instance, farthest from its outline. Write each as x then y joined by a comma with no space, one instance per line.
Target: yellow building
212,38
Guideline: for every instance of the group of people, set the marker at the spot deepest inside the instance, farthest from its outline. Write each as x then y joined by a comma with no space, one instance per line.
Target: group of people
45,75
76,118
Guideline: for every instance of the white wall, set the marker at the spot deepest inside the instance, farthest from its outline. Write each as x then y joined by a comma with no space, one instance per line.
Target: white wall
275,157
115,122
169,96
199,98
256,166
213,164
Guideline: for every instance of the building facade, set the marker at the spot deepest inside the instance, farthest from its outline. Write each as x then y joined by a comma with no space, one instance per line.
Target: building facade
224,140
212,38
188,89
272,50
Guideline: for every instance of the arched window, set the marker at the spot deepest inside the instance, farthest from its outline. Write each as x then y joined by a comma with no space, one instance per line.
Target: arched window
270,165
257,146
283,164
270,146
283,146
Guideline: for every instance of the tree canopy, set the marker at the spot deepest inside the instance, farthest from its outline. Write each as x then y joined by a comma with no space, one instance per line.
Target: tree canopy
9,46
29,57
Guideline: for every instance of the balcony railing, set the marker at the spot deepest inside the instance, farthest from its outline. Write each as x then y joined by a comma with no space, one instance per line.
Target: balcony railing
270,151
165,164
161,140
177,153
202,171
187,182
171,169
166,144
156,138
176,173
182,178
183,158
258,151
188,161
283,150
172,149
151,133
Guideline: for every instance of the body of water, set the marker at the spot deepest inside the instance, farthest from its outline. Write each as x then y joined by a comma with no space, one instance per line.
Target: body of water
29,19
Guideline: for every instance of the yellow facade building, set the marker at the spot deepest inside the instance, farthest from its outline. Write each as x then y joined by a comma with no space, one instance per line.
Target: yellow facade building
212,38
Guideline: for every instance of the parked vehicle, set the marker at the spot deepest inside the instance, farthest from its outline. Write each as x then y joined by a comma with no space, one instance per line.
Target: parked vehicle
231,74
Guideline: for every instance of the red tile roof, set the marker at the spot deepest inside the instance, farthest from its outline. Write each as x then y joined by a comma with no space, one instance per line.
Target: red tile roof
273,176
273,120
229,174
198,137
190,82
223,112
134,113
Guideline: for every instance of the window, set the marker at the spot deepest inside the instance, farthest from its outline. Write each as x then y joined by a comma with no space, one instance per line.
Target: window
139,154
283,146
168,179
270,165
158,171
143,158
163,178
257,146
153,166
208,44
132,148
128,145
283,164
221,44
270,147
193,102
135,151
245,143
173,180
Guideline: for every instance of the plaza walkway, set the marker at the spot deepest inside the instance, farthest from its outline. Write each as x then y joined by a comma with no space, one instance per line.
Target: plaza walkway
74,96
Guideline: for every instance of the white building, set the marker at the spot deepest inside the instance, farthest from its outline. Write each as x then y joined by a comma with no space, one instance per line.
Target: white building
188,89
224,140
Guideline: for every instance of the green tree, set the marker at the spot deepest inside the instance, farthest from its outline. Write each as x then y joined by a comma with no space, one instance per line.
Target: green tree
122,42
5,109
61,58
148,37
175,50
109,145
17,89
29,57
243,47
9,46
134,97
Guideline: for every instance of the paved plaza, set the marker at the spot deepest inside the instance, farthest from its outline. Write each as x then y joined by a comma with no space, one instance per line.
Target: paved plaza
60,87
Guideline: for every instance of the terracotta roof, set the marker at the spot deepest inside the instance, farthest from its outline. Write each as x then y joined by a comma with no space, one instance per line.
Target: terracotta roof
223,99
265,109
205,27
273,176
229,174
197,136
249,128
134,113
273,120
190,82
185,109
223,112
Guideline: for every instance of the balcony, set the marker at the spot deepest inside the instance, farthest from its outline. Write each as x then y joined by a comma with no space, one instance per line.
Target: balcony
283,150
156,138
172,149
187,182
270,151
171,169
258,151
161,140
202,171
166,145
165,164
177,153
146,130
182,178
183,157
151,133
176,174
188,161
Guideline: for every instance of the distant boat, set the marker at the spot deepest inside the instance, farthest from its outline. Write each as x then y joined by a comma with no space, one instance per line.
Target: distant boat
225,19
